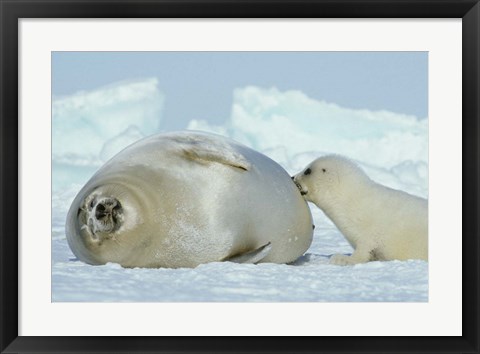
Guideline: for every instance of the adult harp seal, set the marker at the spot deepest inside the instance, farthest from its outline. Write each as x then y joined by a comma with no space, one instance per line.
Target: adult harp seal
186,198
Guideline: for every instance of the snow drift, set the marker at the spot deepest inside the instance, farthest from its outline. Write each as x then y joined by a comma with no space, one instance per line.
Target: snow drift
90,127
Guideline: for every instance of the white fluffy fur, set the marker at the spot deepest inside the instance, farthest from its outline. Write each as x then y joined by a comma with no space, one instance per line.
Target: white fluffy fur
379,222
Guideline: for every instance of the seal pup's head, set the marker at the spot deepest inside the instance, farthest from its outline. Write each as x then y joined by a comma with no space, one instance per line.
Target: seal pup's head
329,177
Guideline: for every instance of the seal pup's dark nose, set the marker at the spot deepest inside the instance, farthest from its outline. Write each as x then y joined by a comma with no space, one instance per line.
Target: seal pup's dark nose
293,177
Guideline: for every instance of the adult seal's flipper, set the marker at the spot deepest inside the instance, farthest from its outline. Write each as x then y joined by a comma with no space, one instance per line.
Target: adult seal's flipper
252,257
205,150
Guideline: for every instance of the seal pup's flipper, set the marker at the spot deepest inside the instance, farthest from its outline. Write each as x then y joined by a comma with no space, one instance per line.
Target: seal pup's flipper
204,150
252,257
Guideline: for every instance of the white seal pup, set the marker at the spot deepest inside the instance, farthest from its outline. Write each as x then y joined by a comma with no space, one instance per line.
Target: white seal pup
379,222
187,198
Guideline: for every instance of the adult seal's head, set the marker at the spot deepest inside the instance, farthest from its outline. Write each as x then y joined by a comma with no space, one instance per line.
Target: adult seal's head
186,198
104,216
98,220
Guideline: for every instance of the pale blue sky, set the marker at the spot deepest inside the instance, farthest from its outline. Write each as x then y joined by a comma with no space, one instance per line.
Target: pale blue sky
199,85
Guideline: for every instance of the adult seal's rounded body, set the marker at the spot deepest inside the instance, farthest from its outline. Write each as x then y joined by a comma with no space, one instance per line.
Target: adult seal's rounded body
187,198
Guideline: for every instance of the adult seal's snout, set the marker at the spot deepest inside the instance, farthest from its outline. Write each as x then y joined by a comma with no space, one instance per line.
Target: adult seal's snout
103,216
107,207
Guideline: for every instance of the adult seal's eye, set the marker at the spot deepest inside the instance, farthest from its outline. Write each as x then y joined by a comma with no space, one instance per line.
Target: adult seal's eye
307,171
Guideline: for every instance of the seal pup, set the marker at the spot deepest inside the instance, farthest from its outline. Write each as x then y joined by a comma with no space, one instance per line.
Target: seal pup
186,198
380,223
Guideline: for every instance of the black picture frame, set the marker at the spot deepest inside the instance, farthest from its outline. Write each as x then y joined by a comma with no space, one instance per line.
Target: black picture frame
12,10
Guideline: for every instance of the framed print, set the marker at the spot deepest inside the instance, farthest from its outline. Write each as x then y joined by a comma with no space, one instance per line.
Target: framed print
181,176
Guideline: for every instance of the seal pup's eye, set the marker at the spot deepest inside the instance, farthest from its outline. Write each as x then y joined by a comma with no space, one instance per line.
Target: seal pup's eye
307,171
324,170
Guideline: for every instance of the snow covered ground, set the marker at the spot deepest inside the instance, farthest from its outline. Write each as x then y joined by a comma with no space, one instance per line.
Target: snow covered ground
287,126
